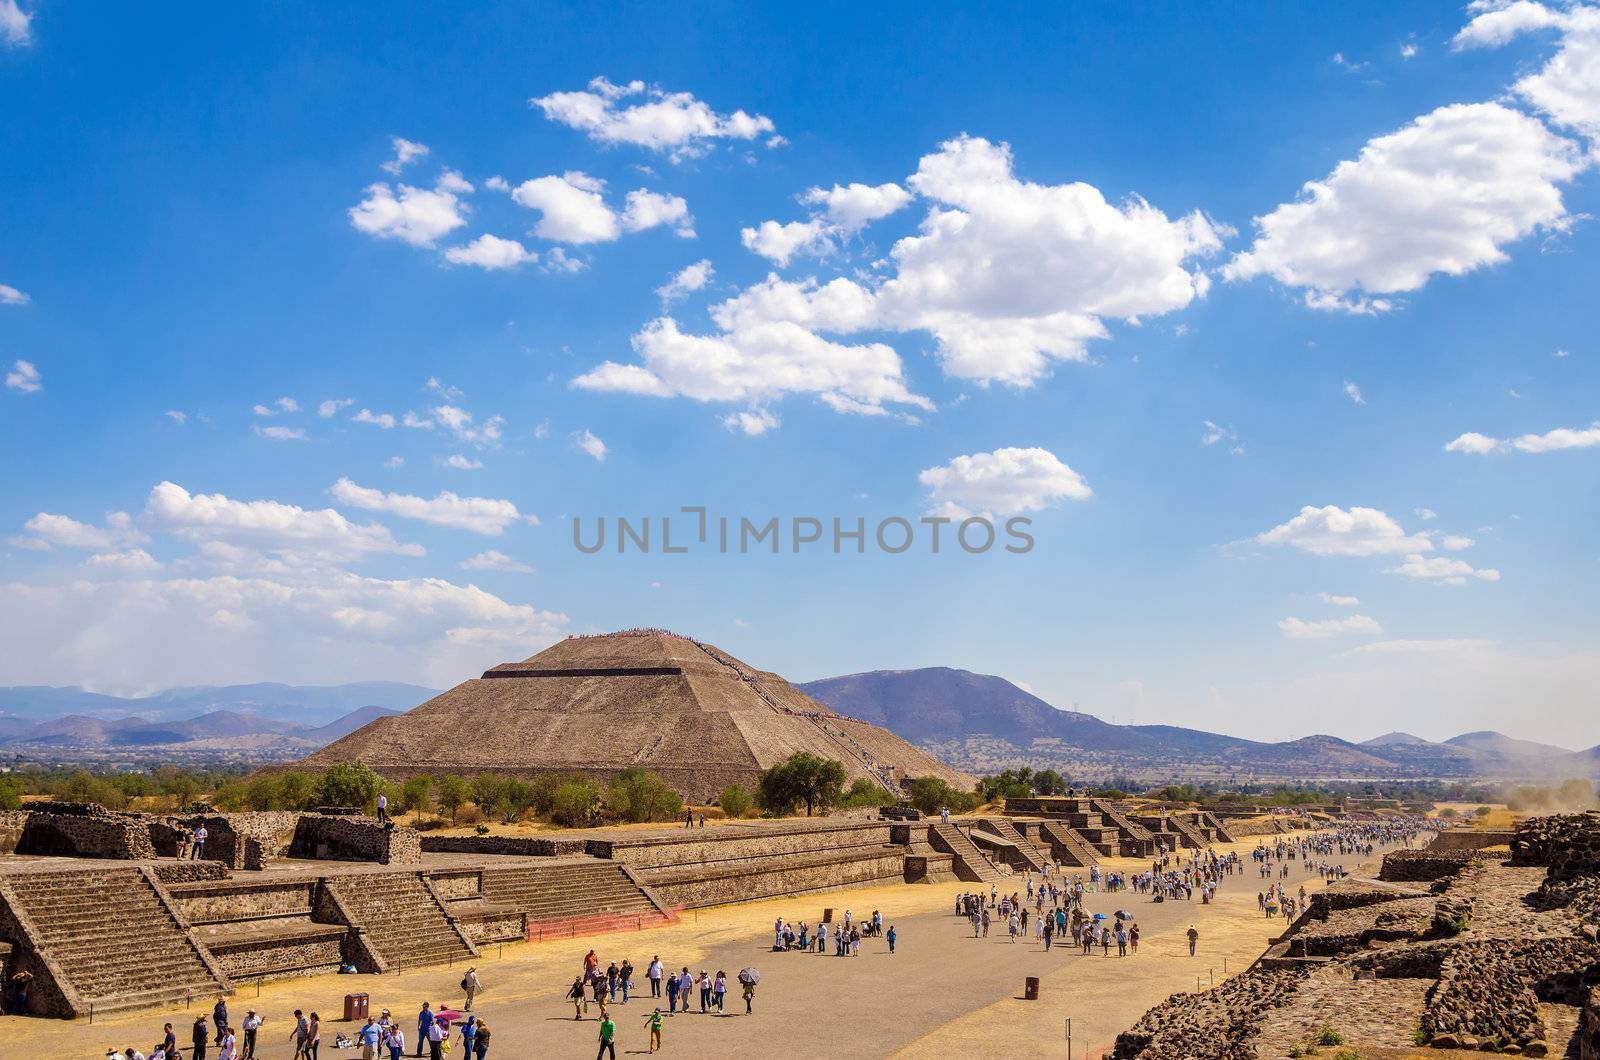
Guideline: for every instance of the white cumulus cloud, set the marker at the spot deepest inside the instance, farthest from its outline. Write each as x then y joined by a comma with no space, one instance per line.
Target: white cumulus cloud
494,559
1007,481
419,216
1548,442
589,443
674,123
491,252
1443,569
686,280
1445,195
481,515
266,524
1334,531
24,377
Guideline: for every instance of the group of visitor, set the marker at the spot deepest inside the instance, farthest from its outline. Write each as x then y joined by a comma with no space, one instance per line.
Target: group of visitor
614,984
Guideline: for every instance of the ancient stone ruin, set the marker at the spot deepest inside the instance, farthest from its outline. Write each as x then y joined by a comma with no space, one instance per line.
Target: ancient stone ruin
1450,948
692,713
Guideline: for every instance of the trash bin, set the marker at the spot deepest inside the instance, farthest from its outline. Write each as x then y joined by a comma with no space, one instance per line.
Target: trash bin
827,915
355,1006
1030,988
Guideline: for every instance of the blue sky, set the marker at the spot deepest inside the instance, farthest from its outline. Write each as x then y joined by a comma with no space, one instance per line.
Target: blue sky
1066,264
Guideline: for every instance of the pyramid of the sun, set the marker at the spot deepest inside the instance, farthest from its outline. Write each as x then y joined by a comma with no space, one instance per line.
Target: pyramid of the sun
599,704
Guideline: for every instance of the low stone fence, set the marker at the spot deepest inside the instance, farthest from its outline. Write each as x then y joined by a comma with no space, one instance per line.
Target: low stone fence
1422,866
1215,1024
190,871
730,842
1471,838
355,839
512,846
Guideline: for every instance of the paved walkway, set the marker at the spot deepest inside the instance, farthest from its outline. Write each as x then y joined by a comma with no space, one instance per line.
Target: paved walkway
944,994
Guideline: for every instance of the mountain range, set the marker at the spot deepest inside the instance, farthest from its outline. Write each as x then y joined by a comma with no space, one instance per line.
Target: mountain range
977,722
256,721
983,723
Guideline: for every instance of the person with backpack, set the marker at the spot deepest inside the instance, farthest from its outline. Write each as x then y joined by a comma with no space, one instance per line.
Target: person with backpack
471,984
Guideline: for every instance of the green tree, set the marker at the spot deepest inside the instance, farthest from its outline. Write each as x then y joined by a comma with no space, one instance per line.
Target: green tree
1482,811
1010,784
803,778
735,801
416,794
489,794
637,795
928,794
516,798
349,784
10,793
574,802
296,791
1449,812
452,794
864,792
1049,782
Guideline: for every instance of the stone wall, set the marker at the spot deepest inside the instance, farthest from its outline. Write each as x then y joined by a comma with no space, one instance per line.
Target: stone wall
238,899
1471,838
1516,976
11,822
748,879
1422,866
190,871
248,840
85,830
513,846
355,839
731,841
1215,1024
315,951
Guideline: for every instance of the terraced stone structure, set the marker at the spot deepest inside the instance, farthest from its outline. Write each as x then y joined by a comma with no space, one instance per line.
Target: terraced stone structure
697,716
1454,949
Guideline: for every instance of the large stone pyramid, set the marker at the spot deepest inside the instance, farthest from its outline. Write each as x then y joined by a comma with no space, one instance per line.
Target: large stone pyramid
599,704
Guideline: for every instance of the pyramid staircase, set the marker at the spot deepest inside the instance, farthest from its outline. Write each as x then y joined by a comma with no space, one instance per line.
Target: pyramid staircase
578,897
1068,846
968,861
1218,829
1139,836
1192,836
112,938
404,922
1026,850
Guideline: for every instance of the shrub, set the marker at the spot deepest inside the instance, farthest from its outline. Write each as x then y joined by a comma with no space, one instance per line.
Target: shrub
482,829
865,793
1328,1036
638,795
349,784
735,801
574,802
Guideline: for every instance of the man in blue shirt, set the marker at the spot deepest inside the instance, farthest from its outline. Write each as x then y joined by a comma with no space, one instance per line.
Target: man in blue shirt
424,1021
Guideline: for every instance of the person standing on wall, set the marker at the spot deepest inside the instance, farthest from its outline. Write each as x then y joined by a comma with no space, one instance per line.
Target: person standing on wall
383,808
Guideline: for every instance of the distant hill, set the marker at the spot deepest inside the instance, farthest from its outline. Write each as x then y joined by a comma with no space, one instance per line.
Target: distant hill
983,723
259,721
309,705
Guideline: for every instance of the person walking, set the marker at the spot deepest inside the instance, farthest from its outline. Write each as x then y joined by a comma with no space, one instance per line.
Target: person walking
251,1025
891,936
481,1041
1194,938
424,1021
719,989
302,1031
625,974
672,994
437,1036
608,1038
371,1036
227,1049
653,973
219,1017
314,1036
200,1038
575,995
395,1040
471,984
197,845
654,1022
